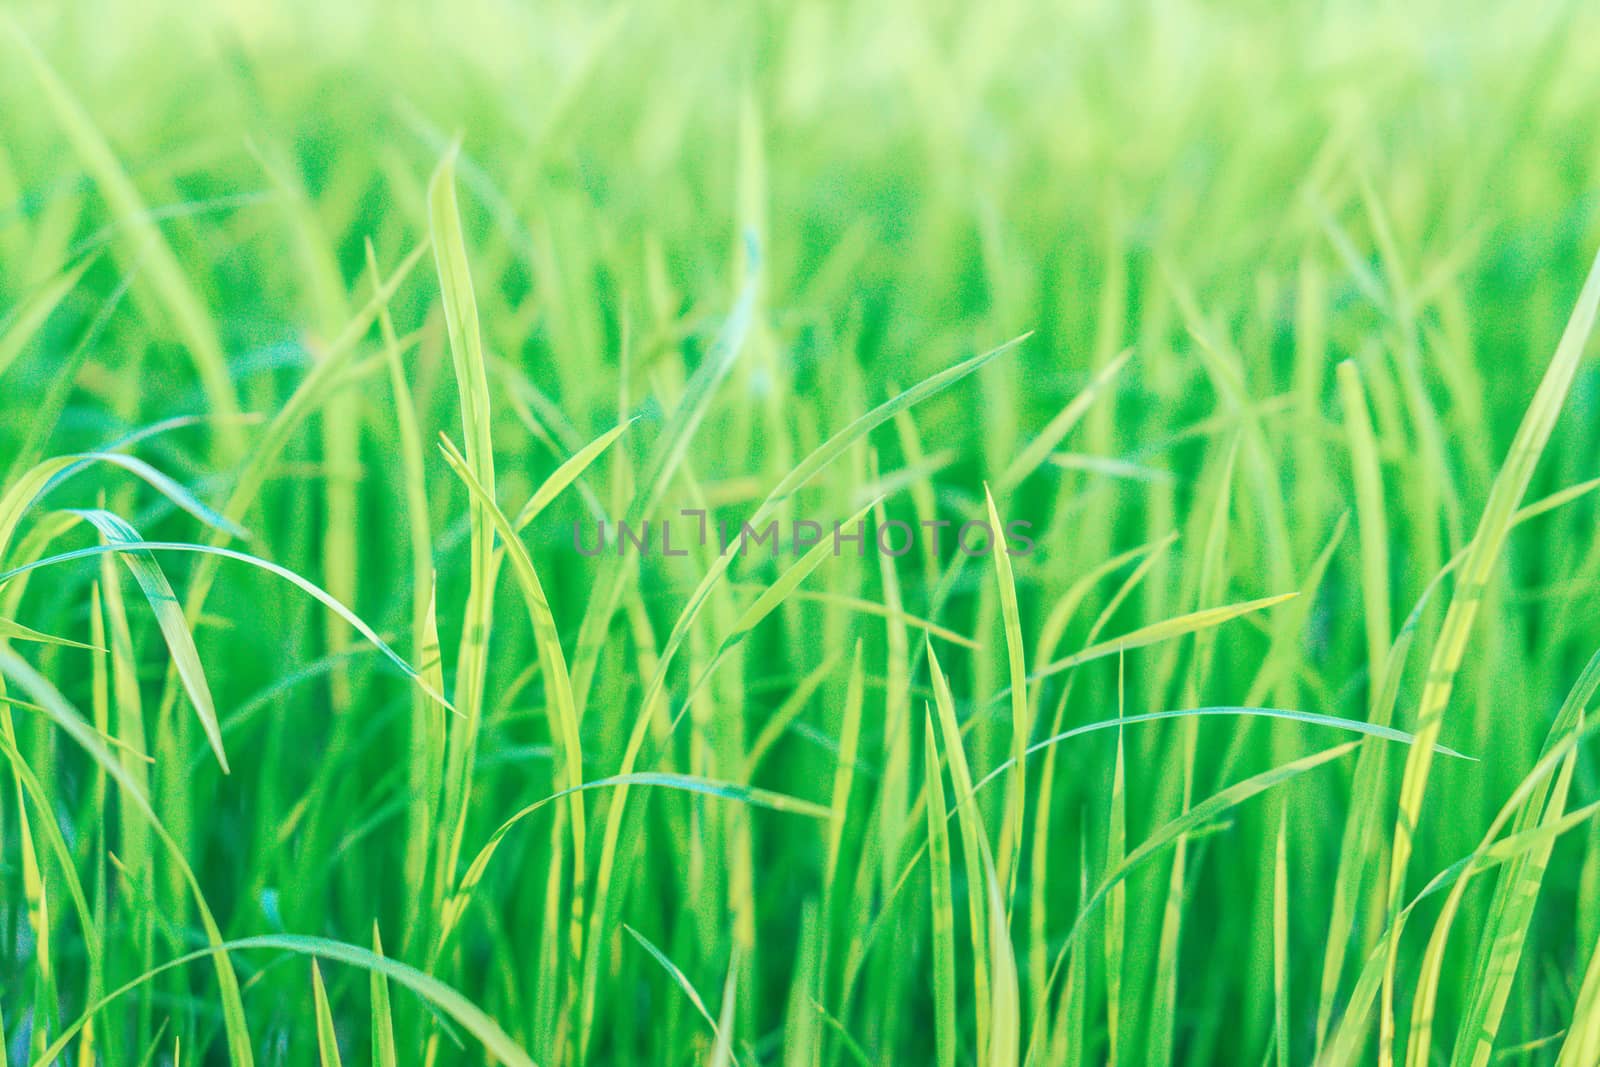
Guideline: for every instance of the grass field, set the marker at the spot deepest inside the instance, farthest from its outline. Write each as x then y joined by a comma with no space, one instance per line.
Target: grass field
334,336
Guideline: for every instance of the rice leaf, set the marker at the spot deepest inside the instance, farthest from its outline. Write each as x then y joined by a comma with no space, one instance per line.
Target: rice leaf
942,910
383,1048
327,1039
1499,513
169,617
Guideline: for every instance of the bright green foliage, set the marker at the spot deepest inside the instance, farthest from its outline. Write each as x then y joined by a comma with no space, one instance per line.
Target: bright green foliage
1210,386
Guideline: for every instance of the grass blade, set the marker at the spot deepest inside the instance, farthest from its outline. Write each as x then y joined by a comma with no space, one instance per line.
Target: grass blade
327,1039
383,1050
169,617
942,910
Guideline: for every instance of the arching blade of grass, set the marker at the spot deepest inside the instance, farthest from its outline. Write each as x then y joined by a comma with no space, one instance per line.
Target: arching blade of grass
327,1038
169,617
307,587
471,1018
1450,648
21,495
1355,726
871,607
679,979
11,630
1166,630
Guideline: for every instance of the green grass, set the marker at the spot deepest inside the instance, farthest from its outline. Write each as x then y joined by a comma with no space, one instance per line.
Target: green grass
1270,738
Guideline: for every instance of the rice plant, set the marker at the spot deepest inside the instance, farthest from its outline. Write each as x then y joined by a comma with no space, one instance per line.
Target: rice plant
801,535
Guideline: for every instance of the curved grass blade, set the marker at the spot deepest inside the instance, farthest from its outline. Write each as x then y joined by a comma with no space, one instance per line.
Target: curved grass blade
680,979
26,490
471,1018
871,607
307,587
1165,630
169,618
11,630
564,475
